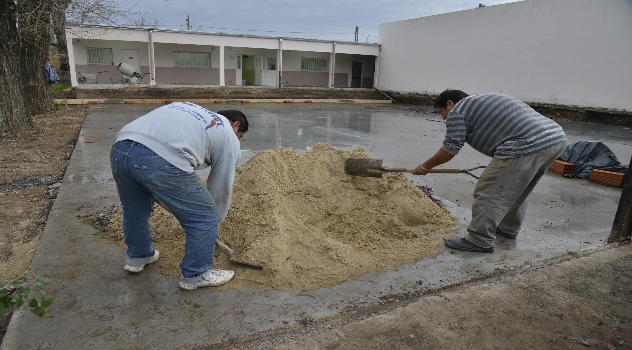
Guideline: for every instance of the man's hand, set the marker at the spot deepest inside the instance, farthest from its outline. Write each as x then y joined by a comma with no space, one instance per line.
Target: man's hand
439,158
420,170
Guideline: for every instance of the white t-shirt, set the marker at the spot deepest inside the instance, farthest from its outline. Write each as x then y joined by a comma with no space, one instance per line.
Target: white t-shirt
191,138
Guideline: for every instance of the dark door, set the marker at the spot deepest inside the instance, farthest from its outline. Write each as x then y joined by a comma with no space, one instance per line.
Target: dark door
356,74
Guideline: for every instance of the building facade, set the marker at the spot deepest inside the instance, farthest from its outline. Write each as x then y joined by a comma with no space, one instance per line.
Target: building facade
97,55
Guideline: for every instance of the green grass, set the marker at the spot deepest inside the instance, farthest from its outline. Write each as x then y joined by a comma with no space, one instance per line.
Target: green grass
59,87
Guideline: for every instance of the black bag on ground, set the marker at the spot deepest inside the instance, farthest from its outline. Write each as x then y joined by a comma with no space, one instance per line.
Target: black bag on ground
588,155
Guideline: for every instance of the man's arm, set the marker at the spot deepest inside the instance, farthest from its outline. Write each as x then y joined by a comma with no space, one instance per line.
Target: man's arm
439,158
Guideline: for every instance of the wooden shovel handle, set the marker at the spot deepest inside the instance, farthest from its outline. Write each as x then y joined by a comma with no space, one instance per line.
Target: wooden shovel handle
445,171
225,248
410,170
399,170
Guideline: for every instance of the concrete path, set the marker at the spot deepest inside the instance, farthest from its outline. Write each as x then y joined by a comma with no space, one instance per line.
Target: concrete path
99,305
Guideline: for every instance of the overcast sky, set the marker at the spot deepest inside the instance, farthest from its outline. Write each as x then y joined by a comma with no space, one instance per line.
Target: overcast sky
311,19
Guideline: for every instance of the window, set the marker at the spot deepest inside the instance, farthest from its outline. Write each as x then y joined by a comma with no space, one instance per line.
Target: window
192,59
271,63
99,55
314,64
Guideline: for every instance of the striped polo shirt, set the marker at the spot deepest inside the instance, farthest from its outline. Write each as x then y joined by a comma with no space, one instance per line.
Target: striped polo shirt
499,126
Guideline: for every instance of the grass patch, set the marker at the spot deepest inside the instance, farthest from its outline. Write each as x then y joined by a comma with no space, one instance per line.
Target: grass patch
60,87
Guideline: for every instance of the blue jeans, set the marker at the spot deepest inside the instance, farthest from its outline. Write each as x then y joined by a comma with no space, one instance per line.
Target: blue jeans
140,175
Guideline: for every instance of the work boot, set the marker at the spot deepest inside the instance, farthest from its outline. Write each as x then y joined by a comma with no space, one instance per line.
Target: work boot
504,234
210,278
466,246
136,265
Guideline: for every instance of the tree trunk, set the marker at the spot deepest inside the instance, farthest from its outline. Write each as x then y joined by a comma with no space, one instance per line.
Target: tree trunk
59,28
34,21
13,111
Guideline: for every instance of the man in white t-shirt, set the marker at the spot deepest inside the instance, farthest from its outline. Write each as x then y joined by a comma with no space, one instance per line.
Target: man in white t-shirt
156,156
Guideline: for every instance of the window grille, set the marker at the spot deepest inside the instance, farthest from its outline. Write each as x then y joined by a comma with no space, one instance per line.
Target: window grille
192,59
314,64
99,55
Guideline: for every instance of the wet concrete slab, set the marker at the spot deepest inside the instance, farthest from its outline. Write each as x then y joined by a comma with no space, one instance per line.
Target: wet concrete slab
99,305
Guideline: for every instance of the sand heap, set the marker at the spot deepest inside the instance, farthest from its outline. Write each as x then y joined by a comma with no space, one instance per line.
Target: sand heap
308,223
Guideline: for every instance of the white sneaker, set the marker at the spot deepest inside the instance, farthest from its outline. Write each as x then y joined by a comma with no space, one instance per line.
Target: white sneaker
210,278
136,265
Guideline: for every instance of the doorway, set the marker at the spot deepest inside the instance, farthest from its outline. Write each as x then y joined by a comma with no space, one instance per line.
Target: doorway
248,70
238,72
356,74
131,57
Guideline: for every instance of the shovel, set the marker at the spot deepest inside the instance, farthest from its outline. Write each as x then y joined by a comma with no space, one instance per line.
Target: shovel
374,168
232,255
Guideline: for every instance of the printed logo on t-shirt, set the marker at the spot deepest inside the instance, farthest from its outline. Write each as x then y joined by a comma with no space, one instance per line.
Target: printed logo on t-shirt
215,119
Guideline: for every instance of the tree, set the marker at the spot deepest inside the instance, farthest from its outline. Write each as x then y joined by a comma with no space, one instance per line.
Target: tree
34,22
108,12
59,31
24,37
13,111
27,29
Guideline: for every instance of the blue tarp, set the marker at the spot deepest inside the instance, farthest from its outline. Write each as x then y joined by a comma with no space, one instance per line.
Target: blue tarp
50,73
588,155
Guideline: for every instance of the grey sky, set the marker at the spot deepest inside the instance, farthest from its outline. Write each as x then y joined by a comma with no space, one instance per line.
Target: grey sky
323,19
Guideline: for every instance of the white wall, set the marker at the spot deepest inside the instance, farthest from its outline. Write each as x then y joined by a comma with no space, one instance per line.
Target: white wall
567,52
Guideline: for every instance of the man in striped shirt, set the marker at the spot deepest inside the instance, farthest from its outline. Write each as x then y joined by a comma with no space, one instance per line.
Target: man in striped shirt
522,143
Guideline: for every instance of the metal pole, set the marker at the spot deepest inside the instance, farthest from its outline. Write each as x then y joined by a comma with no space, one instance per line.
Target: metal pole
280,63
622,226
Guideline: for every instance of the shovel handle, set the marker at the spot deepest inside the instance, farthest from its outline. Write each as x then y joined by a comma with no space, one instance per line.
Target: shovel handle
446,171
225,248
436,171
410,170
399,170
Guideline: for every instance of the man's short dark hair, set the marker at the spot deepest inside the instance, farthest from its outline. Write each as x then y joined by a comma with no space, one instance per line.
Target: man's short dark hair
449,95
234,115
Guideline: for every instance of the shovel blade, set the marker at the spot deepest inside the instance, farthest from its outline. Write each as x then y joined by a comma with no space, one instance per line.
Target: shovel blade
235,260
364,167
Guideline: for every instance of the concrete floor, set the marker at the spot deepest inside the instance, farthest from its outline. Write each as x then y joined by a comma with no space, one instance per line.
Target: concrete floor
99,305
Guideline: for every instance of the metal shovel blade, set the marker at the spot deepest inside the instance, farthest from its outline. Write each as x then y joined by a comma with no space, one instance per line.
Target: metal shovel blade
364,167
234,257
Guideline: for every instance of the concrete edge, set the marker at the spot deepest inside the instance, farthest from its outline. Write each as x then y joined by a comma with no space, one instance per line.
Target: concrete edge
211,100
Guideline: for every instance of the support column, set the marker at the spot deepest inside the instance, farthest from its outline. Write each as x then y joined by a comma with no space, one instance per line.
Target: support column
280,64
71,61
222,78
332,65
376,72
152,61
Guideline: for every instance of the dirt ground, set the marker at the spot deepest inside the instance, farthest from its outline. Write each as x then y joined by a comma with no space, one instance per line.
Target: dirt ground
33,164
568,303
575,303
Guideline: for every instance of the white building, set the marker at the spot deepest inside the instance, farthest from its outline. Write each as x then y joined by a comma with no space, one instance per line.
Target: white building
565,52
190,58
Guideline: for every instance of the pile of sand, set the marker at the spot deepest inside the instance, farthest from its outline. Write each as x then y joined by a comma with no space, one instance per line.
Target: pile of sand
308,223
